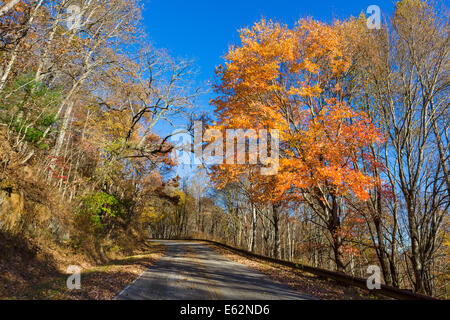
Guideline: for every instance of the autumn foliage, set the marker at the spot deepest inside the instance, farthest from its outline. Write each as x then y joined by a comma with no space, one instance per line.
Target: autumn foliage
293,80
357,122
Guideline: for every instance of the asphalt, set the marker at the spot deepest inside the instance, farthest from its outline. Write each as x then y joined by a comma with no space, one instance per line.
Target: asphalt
194,271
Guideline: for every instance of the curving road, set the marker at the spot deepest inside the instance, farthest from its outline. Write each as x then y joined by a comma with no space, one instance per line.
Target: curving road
194,271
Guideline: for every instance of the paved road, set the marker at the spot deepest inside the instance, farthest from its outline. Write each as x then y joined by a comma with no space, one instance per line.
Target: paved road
194,271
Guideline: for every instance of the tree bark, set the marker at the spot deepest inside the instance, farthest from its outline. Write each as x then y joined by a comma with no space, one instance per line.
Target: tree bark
254,226
276,232
6,7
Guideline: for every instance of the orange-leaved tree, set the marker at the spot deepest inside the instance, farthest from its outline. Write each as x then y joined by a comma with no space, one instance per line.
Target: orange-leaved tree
293,80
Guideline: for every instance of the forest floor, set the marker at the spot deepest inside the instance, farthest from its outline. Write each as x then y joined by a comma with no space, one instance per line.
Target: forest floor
323,289
39,273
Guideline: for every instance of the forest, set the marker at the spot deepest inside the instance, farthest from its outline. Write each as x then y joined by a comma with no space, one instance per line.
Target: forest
362,114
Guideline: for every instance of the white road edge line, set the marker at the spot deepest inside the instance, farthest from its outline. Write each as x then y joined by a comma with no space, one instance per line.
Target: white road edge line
128,286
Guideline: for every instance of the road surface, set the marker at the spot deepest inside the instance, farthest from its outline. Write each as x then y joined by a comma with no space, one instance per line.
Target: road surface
194,271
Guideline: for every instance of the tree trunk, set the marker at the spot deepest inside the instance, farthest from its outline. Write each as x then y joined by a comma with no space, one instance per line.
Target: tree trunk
254,226
276,231
381,252
6,7
289,240
8,68
334,226
415,254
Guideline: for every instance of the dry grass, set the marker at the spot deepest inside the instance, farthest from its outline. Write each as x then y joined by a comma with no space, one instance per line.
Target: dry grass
102,282
30,272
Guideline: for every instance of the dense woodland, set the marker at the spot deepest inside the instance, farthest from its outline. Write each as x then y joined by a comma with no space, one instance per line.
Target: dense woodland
363,117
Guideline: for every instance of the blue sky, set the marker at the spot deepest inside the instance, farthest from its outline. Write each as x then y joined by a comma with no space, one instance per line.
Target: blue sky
203,30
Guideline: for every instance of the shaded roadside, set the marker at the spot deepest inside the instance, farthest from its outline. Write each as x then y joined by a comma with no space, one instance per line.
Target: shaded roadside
324,289
28,272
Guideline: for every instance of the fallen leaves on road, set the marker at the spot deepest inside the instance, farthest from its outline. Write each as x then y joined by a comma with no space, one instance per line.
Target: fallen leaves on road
308,284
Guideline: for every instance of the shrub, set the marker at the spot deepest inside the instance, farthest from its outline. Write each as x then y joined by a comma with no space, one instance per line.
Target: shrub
98,212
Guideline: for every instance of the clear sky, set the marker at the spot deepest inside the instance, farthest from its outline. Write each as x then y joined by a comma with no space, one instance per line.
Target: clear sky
202,30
